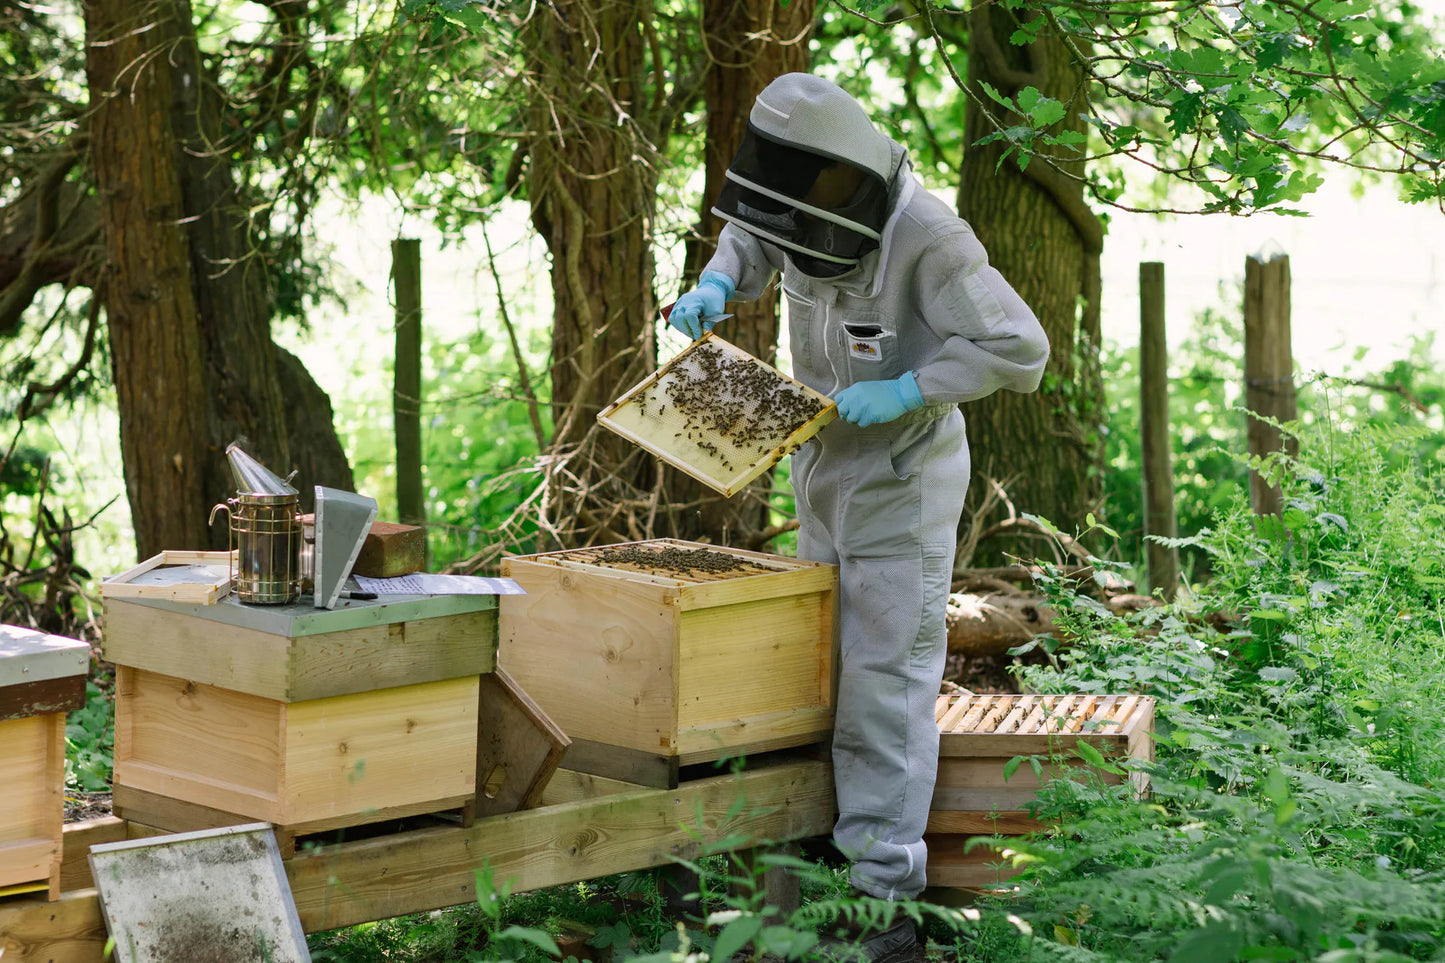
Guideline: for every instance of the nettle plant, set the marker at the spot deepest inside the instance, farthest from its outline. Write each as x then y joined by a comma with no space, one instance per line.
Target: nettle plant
1295,812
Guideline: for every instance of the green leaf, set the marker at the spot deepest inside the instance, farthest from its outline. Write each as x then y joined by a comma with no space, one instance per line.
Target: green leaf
785,942
1091,754
994,95
1276,785
1229,879
735,936
1213,943
541,939
1011,767
1047,113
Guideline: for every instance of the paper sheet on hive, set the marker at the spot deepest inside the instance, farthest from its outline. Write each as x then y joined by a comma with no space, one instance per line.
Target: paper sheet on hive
719,414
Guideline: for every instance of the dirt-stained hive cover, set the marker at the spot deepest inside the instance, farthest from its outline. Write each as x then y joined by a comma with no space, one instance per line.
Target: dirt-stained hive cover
215,895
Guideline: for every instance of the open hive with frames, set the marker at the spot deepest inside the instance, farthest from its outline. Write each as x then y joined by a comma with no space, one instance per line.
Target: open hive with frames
660,655
719,414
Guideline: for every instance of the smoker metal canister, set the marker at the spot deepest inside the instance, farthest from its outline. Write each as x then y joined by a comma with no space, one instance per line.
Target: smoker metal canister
265,539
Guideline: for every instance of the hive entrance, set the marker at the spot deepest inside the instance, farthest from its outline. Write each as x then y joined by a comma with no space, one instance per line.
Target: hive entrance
719,414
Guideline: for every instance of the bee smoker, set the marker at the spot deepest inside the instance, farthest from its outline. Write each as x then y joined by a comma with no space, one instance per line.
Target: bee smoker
266,534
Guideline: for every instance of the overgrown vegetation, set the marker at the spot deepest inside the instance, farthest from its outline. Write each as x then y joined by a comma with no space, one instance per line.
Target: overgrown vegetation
1295,810
1300,744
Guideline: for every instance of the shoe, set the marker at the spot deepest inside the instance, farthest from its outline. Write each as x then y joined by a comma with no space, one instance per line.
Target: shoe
897,944
859,941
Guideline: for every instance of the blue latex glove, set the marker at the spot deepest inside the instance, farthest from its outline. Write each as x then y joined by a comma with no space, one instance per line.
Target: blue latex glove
708,298
876,402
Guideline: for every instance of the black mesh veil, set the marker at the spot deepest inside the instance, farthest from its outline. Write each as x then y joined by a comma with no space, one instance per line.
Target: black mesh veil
771,192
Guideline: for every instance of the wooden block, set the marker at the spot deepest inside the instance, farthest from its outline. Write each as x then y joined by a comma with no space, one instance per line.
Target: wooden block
312,765
570,785
75,848
518,747
299,652
390,549
659,663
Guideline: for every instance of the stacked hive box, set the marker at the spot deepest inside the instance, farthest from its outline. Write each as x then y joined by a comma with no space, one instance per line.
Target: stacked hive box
661,654
307,718
979,734
41,678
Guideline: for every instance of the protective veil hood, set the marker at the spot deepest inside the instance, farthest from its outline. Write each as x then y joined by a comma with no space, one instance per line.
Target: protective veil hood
811,175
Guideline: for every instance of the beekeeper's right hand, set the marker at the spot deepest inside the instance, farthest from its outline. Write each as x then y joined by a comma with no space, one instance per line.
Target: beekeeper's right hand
707,299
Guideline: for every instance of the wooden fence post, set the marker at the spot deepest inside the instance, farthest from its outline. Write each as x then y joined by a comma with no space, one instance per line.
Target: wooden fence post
1268,368
406,390
1156,454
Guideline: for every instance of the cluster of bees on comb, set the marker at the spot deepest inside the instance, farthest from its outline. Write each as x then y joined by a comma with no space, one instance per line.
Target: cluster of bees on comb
676,561
734,399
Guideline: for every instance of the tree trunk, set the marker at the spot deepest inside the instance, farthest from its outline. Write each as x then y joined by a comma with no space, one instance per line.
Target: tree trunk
592,185
155,340
245,396
1045,447
749,43
185,296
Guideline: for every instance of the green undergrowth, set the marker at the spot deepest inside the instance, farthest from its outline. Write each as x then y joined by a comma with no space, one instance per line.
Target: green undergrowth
1295,809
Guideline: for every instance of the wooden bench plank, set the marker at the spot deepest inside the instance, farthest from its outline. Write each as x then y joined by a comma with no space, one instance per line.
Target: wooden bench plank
351,883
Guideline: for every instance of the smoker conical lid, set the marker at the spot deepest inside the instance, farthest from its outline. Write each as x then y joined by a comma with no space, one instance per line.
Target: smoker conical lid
252,477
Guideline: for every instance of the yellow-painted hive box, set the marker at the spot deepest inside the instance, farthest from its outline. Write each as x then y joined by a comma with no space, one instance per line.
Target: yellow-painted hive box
42,677
661,654
310,719
979,734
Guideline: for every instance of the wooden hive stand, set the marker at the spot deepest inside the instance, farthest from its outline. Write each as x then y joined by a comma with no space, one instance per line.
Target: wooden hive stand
650,664
979,734
306,718
42,677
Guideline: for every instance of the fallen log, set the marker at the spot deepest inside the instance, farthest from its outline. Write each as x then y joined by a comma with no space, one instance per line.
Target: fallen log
991,623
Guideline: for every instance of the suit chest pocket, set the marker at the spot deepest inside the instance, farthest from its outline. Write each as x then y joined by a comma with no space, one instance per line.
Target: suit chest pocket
870,345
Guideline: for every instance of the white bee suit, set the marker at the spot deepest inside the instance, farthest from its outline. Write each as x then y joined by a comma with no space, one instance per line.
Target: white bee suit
883,502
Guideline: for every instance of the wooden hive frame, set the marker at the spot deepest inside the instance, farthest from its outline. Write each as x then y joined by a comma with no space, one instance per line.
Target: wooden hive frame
715,458
979,734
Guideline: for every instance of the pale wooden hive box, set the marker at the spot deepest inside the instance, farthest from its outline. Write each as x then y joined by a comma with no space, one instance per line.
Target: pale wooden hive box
42,677
649,665
979,734
307,718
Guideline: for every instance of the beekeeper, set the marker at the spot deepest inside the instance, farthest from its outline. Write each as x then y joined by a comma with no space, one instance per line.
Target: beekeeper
894,311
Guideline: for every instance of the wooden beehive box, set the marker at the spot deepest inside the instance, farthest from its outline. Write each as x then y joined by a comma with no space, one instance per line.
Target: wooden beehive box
979,734
42,677
307,718
661,654
719,414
